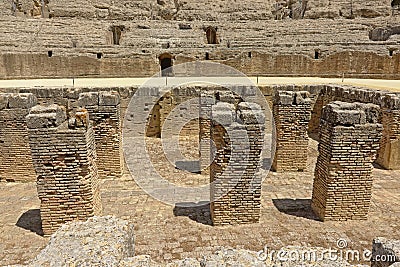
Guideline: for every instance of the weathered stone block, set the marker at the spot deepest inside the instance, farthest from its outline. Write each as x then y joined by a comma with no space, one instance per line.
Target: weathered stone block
251,113
22,100
99,241
108,98
88,99
223,113
3,101
46,116
283,98
342,113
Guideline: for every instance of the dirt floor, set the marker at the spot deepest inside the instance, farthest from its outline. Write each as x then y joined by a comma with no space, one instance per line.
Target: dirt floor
168,232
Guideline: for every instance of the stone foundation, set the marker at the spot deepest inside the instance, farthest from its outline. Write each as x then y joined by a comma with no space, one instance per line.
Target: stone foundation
238,135
349,140
292,113
104,111
15,153
64,158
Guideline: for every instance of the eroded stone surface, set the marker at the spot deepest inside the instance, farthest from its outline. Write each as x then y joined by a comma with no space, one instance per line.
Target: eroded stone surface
100,241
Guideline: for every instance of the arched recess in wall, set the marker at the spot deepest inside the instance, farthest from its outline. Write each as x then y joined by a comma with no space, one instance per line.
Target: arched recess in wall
166,63
116,33
211,34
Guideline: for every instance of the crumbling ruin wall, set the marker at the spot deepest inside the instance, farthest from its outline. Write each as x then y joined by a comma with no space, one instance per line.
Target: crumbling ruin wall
292,112
15,153
389,103
64,157
185,101
349,140
105,113
238,135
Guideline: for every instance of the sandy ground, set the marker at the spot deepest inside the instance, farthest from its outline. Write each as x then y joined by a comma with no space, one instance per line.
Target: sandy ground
392,85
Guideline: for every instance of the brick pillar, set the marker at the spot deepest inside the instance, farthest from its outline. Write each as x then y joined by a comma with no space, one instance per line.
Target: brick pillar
292,113
15,153
349,140
389,151
207,99
64,158
104,111
236,182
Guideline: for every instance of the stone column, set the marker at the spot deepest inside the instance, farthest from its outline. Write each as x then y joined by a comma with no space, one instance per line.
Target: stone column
64,158
15,153
235,172
389,151
104,111
292,113
349,140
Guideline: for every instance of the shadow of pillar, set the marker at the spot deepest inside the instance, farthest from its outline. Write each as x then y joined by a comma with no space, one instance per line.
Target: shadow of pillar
31,220
296,207
198,212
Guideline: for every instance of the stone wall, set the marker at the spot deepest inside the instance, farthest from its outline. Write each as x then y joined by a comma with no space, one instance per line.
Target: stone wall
292,112
105,113
76,41
15,153
180,111
238,135
64,157
349,140
370,65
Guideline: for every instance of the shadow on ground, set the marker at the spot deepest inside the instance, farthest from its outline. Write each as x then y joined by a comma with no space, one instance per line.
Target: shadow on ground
31,220
296,207
198,212
189,166
377,166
